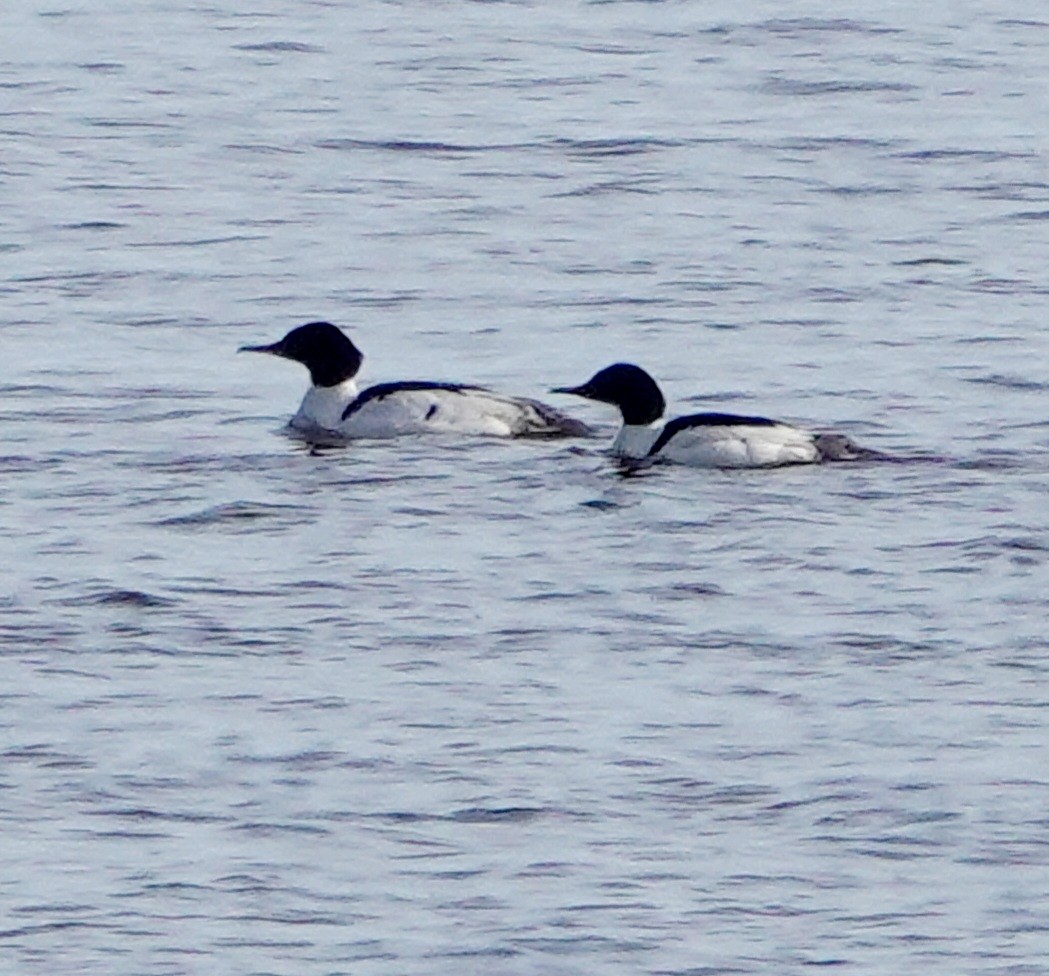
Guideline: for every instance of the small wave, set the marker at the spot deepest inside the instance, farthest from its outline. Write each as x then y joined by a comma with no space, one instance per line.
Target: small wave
128,124
103,67
471,815
496,815
686,590
20,464
259,829
199,241
889,648
145,815
978,155
642,186
800,27
604,504
34,931
409,146
820,25
859,190
94,225
993,545
796,87
231,513
821,143
281,47
265,149
301,761
592,148
925,262
627,146
1004,286
612,49
137,599
995,461
1009,382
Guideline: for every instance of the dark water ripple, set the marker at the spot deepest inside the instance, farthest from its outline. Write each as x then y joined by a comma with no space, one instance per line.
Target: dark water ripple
581,148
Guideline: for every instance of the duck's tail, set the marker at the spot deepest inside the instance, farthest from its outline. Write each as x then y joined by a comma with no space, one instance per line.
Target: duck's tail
840,447
546,421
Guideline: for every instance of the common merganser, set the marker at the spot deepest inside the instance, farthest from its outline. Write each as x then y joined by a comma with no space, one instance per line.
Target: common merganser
332,405
704,440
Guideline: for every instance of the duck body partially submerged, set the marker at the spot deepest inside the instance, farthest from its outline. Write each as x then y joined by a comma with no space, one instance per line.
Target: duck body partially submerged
703,440
334,406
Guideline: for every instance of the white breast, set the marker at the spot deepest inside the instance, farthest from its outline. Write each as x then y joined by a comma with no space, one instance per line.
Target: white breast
634,441
322,407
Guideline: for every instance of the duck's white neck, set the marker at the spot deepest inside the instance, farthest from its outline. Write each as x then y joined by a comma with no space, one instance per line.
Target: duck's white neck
322,406
634,440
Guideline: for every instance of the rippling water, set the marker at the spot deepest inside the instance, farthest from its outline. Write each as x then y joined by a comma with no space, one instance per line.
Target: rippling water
490,707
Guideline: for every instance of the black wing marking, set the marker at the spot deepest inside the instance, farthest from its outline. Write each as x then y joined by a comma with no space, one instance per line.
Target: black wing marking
679,424
381,390
549,422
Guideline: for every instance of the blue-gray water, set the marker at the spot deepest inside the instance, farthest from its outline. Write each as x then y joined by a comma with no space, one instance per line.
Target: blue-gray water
488,708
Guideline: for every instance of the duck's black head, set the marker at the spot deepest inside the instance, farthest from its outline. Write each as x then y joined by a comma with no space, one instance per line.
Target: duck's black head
625,386
322,348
